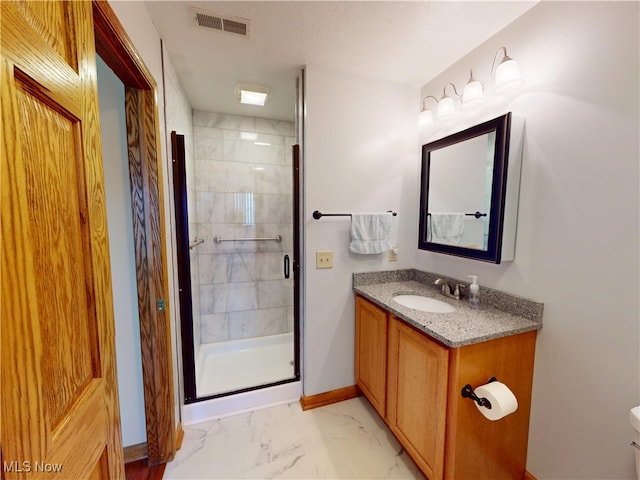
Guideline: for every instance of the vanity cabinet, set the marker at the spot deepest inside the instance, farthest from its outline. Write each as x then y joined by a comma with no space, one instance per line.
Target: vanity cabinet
417,395
415,384
371,360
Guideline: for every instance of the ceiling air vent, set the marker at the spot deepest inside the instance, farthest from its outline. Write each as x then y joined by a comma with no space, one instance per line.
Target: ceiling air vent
233,25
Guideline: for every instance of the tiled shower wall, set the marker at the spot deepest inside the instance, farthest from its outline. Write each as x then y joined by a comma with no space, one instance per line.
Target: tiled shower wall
243,189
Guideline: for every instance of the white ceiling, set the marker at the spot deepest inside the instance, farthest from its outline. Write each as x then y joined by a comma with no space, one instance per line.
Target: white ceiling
405,42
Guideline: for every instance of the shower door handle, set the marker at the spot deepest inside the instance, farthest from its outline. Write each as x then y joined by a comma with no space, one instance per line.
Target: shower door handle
286,266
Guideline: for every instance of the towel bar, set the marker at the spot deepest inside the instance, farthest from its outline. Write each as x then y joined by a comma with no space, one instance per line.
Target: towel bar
477,214
318,215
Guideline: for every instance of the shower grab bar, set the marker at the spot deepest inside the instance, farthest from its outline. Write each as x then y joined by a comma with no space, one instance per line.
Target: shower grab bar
197,241
277,238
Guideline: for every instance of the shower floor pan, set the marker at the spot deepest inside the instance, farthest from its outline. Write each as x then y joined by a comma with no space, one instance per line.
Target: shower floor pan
239,364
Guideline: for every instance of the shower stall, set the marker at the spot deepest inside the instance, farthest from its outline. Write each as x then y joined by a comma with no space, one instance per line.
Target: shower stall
236,189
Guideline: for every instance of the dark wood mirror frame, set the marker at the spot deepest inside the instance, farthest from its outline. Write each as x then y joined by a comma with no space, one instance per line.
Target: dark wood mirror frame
502,126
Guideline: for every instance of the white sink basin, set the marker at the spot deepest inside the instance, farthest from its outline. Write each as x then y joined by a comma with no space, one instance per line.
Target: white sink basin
424,304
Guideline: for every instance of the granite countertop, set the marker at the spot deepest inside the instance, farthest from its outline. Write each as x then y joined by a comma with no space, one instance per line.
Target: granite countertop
462,327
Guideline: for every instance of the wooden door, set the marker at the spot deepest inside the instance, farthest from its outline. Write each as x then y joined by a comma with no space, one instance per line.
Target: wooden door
59,407
417,395
371,353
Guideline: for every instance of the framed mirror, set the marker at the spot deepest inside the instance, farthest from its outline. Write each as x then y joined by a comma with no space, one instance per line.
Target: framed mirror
465,205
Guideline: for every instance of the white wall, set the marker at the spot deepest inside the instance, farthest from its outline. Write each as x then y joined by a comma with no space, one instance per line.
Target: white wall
577,243
113,131
361,153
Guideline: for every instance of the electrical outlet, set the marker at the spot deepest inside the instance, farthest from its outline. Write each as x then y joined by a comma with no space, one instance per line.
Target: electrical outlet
393,254
324,259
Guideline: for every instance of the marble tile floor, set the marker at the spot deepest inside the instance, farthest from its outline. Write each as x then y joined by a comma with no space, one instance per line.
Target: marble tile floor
345,440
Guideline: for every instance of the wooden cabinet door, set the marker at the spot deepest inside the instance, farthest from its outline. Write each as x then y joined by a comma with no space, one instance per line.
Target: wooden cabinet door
59,405
417,395
371,352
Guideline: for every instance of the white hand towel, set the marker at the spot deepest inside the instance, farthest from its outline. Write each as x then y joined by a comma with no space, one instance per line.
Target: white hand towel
370,233
447,228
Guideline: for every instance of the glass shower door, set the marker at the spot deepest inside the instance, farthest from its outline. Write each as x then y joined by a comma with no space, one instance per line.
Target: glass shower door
235,215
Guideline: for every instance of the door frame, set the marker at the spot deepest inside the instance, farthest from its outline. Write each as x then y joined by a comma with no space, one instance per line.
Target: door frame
145,168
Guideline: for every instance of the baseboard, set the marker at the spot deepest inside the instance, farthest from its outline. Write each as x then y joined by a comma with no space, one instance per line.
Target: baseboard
528,476
179,436
136,452
327,398
133,453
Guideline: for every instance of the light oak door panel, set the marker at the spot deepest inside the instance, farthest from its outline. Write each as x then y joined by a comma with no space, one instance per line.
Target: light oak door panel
417,395
59,407
371,353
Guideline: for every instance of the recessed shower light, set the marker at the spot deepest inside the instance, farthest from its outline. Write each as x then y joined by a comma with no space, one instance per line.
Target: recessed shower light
251,94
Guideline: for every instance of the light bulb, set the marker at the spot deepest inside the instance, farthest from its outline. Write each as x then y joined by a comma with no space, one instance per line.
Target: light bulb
425,118
472,92
446,107
507,72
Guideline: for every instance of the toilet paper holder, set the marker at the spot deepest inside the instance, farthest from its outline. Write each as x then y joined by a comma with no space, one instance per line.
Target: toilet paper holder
467,392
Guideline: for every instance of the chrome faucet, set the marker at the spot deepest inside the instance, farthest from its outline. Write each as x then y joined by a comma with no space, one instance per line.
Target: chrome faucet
446,289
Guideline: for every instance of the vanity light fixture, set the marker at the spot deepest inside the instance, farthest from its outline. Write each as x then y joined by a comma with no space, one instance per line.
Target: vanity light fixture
507,73
426,116
252,94
446,105
473,91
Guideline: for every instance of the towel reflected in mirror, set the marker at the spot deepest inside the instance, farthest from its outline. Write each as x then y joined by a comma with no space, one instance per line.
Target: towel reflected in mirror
446,227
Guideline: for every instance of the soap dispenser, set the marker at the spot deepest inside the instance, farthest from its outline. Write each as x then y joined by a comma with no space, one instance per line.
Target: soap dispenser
474,292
